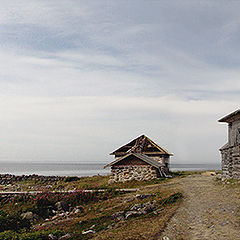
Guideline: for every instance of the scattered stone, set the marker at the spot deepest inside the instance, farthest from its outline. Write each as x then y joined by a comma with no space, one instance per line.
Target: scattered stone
52,237
132,214
87,232
118,215
110,226
136,210
93,226
166,238
68,235
142,196
62,206
77,211
31,216
27,215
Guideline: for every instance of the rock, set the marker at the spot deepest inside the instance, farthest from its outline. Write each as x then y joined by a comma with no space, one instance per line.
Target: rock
142,196
136,207
80,207
132,214
118,215
31,216
62,206
93,226
77,211
88,231
27,215
110,226
148,208
166,238
68,235
52,237
158,211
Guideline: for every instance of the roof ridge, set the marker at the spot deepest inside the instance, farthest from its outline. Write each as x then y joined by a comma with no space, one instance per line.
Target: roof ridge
161,149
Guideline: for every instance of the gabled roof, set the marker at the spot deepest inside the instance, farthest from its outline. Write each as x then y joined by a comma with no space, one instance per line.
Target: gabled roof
142,157
230,117
129,146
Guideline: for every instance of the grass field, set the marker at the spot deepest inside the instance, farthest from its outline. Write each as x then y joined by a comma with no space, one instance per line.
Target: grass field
97,209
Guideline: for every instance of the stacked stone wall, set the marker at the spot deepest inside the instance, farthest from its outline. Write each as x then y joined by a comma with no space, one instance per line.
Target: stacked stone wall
138,172
231,162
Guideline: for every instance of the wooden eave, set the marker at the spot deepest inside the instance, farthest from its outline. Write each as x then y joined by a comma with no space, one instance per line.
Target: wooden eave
230,117
142,157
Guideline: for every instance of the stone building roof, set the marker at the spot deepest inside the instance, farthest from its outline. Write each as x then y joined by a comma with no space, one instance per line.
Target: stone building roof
140,156
141,144
231,117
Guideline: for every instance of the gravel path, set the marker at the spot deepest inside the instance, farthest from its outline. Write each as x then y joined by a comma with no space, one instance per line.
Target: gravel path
209,211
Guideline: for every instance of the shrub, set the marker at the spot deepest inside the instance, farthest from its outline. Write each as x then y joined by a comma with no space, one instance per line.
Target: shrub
39,235
71,179
13,222
172,198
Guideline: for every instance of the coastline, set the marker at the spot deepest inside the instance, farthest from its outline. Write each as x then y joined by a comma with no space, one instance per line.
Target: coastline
83,170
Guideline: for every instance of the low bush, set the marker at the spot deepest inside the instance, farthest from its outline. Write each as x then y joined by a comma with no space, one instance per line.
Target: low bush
71,179
39,235
13,222
171,199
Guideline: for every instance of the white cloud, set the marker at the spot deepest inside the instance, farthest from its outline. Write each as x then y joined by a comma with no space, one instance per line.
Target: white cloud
77,128
77,76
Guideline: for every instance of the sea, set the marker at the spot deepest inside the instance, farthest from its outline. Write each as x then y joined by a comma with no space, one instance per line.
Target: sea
82,169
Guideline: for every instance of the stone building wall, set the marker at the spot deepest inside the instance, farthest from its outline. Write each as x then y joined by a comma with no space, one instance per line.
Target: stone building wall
129,172
231,162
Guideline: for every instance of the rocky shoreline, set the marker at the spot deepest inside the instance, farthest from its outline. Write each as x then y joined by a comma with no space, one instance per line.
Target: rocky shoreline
10,178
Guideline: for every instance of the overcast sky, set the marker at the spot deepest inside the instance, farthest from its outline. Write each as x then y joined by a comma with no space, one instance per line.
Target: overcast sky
80,78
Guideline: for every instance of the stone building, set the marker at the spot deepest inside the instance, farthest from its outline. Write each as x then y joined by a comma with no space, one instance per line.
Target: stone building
231,150
140,159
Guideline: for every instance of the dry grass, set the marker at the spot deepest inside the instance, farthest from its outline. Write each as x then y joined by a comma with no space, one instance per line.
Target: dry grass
141,227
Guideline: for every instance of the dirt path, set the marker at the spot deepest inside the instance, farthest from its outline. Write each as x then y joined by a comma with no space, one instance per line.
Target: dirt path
209,211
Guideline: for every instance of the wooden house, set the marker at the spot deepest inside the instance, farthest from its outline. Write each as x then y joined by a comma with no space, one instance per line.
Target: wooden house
231,150
140,159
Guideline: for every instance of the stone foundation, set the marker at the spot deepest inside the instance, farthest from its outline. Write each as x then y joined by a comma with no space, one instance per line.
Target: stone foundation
231,162
138,172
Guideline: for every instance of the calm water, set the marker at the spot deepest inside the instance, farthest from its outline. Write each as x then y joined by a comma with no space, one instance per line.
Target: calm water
70,169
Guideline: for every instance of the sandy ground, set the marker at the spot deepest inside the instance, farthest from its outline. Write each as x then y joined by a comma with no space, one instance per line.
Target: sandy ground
209,211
